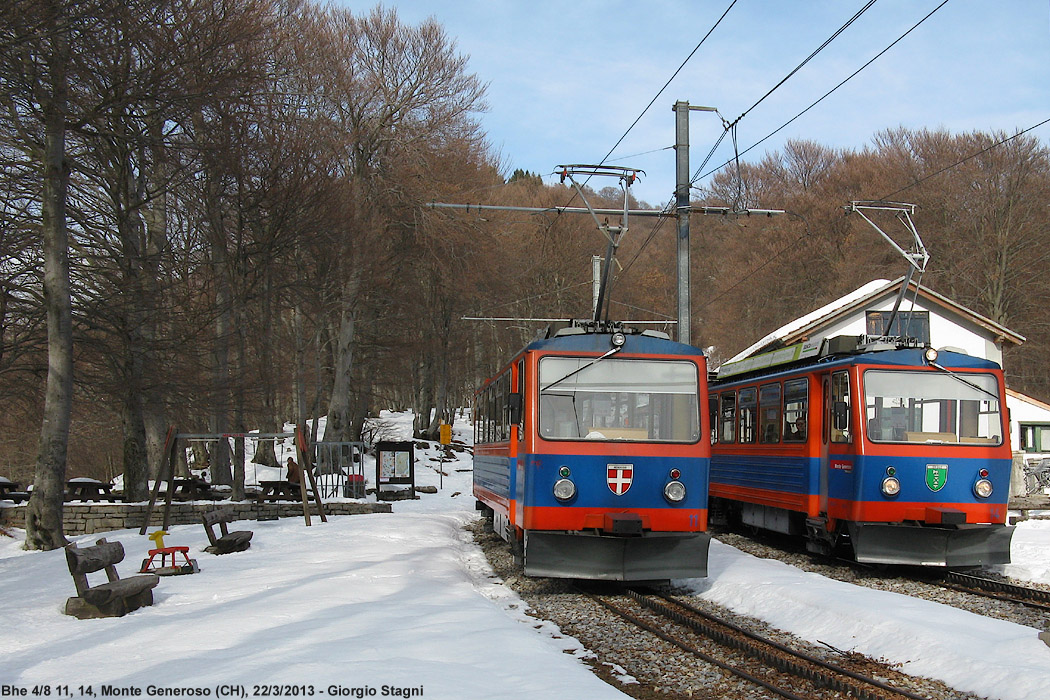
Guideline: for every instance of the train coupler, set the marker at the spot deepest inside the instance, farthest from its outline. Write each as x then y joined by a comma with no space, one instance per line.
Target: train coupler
622,524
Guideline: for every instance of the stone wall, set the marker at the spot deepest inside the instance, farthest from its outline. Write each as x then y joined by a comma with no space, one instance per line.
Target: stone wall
86,518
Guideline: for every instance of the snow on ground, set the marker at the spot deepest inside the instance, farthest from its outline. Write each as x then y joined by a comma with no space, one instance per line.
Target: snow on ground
404,605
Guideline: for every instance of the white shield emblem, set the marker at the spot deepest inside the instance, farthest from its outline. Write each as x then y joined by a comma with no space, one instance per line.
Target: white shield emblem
619,477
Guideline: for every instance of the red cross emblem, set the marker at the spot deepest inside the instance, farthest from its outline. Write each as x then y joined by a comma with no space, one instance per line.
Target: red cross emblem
619,477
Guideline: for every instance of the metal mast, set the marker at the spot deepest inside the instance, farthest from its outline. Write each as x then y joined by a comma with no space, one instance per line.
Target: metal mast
682,209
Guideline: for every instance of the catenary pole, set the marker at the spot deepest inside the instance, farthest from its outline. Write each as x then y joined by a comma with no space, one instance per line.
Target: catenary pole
683,210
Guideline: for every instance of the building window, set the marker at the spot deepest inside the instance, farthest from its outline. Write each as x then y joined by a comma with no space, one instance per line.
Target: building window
909,324
1035,437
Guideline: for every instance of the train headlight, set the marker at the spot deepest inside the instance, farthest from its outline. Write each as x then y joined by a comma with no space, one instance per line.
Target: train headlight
618,339
931,355
983,488
564,489
674,491
891,486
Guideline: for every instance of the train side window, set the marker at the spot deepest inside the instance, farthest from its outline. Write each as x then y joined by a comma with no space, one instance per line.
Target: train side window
840,408
712,411
728,417
504,406
521,393
489,411
769,411
748,408
796,410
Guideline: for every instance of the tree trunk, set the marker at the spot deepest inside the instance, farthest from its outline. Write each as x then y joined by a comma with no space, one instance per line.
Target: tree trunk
219,420
264,448
135,468
338,427
44,511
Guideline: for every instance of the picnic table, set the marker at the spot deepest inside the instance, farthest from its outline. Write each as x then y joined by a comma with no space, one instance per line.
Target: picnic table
192,489
84,489
9,491
280,491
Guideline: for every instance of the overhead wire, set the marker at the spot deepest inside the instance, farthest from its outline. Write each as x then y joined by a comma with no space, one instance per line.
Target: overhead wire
673,76
729,128
963,160
792,245
659,223
535,296
659,92
852,75
810,57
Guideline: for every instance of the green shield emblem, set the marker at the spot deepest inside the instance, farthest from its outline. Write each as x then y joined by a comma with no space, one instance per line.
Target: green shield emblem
936,476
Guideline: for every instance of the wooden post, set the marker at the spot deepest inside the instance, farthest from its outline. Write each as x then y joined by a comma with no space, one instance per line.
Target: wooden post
307,467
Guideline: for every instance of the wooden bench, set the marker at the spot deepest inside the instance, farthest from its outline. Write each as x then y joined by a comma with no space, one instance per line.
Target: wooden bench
118,596
237,541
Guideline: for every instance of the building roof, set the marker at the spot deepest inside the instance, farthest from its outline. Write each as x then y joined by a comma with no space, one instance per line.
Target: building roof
1027,399
802,328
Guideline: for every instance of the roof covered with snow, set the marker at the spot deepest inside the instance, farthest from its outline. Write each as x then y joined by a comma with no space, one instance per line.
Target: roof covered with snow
809,325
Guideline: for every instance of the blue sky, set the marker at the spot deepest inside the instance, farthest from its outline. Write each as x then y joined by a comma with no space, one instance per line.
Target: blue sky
566,79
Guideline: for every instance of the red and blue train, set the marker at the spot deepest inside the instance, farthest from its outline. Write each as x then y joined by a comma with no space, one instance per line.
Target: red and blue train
592,454
893,449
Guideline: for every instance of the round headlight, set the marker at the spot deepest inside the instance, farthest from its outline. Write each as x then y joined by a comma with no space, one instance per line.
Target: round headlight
564,489
983,488
618,339
674,491
931,355
891,486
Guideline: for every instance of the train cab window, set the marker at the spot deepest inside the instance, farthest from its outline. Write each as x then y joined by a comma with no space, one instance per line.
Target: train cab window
728,418
931,407
637,400
748,410
796,410
769,411
839,408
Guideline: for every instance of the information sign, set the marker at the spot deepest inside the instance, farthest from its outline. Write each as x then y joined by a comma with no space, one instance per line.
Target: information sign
395,465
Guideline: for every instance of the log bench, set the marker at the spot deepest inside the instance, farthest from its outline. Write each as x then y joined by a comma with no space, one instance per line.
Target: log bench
228,542
115,598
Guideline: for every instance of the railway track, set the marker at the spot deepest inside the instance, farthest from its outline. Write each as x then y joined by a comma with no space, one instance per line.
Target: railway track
999,590
779,669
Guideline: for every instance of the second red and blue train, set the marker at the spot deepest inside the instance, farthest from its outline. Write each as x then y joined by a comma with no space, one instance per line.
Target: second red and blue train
876,447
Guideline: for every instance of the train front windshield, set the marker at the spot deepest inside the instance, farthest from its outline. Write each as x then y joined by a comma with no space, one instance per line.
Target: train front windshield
616,399
929,407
